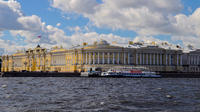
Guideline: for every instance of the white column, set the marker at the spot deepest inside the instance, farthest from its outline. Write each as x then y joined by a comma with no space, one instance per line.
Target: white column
192,59
140,58
150,59
103,58
81,58
177,59
160,59
188,60
147,58
72,61
196,59
124,58
157,59
128,58
136,59
113,58
98,57
57,60
166,59
181,60
143,58
51,60
169,59
154,58
89,57
39,61
108,58
93,57
118,58
74,58
86,60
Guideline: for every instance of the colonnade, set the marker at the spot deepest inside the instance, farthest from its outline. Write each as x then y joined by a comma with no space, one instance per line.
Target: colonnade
105,58
158,59
194,59
17,62
124,58
58,59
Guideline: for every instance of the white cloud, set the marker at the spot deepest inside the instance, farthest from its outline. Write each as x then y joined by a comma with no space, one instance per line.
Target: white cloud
145,17
146,39
9,11
188,25
79,6
187,29
91,37
8,47
58,24
32,23
30,27
1,34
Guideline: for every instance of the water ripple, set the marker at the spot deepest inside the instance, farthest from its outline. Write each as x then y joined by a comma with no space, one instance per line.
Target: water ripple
99,95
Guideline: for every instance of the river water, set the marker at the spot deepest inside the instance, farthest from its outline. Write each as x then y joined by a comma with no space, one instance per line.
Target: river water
78,94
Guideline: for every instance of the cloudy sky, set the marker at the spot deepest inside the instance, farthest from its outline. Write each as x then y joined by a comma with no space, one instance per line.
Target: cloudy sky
71,22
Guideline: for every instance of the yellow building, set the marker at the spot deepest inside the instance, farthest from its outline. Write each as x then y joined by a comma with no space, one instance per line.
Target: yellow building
98,55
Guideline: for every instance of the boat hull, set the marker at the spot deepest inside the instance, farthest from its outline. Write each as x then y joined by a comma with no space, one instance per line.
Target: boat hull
132,76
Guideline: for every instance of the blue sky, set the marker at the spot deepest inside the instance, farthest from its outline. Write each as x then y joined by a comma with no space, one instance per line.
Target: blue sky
86,20
53,16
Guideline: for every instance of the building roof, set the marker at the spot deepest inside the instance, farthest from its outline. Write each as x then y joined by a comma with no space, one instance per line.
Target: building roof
97,45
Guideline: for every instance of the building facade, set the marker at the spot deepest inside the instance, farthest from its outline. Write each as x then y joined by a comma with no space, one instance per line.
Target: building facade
191,61
99,55
0,63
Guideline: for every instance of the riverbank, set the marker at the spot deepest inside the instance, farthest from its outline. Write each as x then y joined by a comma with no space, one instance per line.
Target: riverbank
180,74
72,74
39,74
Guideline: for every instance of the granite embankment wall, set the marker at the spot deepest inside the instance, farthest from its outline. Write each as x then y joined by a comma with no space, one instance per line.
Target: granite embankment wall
39,74
69,74
180,74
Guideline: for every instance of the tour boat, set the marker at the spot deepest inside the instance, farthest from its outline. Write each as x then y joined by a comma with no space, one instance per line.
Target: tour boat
134,72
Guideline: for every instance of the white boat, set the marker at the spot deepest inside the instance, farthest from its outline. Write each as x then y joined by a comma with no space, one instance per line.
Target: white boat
133,72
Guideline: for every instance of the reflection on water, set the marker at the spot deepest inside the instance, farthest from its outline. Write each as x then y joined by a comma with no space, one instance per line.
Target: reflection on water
99,94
